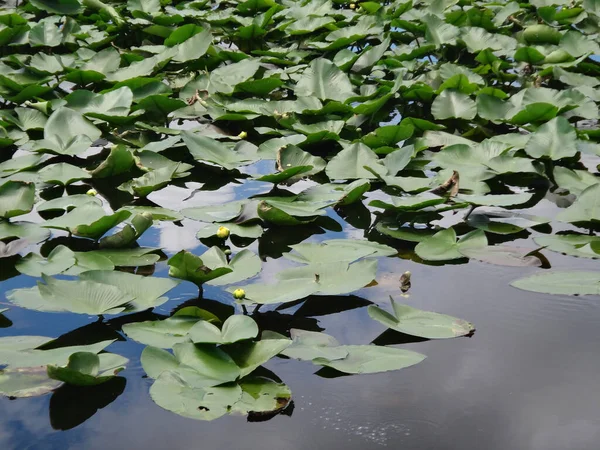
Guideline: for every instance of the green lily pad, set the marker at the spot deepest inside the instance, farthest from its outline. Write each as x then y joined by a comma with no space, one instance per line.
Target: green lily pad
564,282
187,266
235,328
16,198
372,359
416,322
443,245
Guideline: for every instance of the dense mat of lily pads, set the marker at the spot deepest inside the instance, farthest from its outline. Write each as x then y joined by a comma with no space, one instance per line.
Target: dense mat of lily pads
433,126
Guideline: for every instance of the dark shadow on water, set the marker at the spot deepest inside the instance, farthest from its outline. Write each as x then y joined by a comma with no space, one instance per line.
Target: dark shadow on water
322,305
88,334
70,406
356,214
221,310
283,323
276,241
5,322
330,372
393,337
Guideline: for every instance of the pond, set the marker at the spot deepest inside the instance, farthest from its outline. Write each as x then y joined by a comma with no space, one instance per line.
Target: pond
259,224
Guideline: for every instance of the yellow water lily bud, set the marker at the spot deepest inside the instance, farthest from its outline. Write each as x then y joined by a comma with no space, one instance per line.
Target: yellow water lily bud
223,233
242,135
92,192
239,294
352,5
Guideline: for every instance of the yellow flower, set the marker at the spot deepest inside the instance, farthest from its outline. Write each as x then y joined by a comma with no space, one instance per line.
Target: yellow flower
352,5
223,233
242,135
92,192
239,294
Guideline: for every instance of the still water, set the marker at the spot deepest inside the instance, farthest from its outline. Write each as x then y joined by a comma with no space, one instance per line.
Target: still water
527,378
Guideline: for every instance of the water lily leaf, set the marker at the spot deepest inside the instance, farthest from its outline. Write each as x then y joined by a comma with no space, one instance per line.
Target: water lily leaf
67,203
210,362
62,174
324,80
103,106
156,360
292,156
372,359
146,292
563,282
187,266
308,345
59,259
245,231
88,220
416,322
67,132
342,194
285,175
389,135
173,393
161,214
350,163
244,265
555,139
209,150
13,247
575,181
504,222
26,382
68,7
28,119
19,164
453,104
495,200
25,230
261,395
22,352
16,198
439,32
128,257
409,203
81,297
443,245
129,234
585,209
336,250
161,333
333,278
250,355
83,369
149,182
580,245
289,213
214,213
235,328
405,233
503,255
120,160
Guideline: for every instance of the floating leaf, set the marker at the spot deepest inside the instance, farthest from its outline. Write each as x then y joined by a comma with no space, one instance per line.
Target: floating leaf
78,296
16,198
235,328
416,322
372,359
308,345
585,209
443,245
187,266
566,282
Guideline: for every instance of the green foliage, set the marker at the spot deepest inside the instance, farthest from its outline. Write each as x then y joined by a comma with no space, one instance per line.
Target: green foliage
430,124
